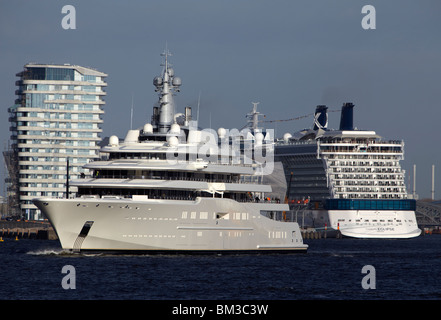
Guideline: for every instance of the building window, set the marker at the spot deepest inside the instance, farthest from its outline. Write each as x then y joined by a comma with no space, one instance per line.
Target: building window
59,74
89,78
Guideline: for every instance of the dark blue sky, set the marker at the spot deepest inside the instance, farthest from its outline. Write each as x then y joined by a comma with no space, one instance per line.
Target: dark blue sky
288,55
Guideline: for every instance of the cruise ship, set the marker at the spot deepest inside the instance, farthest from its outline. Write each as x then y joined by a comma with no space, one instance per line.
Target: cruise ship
347,180
170,187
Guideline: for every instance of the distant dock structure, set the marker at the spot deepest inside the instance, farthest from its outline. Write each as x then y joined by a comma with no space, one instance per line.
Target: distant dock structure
27,230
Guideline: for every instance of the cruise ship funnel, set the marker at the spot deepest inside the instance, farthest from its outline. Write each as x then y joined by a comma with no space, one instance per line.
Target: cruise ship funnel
347,116
321,117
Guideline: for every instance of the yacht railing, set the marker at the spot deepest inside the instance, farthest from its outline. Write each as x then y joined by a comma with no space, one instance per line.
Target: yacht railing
176,161
332,142
136,177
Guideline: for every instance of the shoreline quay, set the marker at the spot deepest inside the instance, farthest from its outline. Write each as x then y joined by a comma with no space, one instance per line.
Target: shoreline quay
41,230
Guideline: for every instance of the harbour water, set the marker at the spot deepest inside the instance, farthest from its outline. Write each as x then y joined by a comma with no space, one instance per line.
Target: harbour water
332,269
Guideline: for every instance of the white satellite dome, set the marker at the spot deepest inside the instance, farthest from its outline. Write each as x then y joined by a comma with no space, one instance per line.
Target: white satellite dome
113,141
157,81
173,141
175,128
221,132
148,128
177,81
287,136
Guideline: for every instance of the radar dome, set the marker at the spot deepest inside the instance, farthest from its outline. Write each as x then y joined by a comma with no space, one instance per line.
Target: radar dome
173,141
157,81
113,141
148,128
287,136
221,132
177,81
175,128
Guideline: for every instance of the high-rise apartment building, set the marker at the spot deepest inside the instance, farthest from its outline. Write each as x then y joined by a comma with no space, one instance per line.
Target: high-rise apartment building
55,120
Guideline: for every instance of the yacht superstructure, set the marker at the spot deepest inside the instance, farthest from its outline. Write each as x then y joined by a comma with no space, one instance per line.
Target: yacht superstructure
348,180
169,187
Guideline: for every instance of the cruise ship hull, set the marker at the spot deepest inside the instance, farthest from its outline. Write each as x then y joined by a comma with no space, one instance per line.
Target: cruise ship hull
169,226
365,224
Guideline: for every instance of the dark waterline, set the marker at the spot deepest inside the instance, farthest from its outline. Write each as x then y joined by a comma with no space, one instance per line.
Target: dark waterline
332,269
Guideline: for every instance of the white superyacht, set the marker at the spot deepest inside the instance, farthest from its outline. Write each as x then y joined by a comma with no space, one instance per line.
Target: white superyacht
347,180
168,188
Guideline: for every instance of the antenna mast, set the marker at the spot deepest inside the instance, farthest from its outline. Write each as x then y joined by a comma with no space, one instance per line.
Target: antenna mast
253,117
166,85
131,115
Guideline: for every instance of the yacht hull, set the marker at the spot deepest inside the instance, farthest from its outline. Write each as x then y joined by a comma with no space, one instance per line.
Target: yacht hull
169,226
